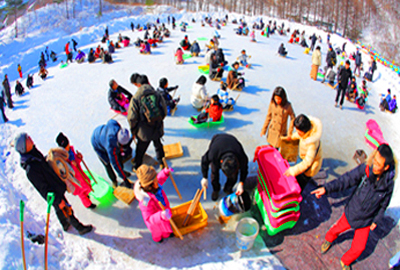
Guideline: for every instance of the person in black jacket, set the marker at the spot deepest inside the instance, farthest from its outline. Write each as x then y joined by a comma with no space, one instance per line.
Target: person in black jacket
45,180
343,80
358,62
29,81
225,152
164,90
117,95
282,51
366,207
19,89
2,103
331,57
7,91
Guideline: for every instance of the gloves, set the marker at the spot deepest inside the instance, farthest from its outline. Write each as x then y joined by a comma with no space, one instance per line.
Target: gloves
166,214
204,183
239,189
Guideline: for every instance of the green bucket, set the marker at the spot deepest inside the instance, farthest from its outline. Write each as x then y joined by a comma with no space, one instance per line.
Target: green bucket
102,191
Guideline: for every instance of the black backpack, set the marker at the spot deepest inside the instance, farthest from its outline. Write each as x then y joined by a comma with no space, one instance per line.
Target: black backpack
150,108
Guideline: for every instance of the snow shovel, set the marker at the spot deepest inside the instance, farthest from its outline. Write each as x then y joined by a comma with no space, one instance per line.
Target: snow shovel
50,200
21,218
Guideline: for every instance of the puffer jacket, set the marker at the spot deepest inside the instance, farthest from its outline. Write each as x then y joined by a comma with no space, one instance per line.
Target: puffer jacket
310,148
316,58
199,95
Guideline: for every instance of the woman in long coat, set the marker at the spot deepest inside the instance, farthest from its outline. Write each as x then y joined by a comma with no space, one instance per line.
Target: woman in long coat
276,121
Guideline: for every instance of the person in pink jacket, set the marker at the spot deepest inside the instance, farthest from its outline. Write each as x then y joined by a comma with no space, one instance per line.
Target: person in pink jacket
149,193
75,159
179,56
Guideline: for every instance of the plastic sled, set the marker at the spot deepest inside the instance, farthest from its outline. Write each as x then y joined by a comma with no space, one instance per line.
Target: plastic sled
186,56
272,166
102,191
270,229
275,213
119,112
290,149
374,135
124,194
204,69
276,206
207,124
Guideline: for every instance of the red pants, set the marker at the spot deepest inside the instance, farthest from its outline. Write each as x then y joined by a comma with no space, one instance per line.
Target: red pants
359,240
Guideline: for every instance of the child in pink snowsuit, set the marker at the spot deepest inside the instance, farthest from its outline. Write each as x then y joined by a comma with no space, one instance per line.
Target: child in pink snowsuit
149,194
75,160
179,56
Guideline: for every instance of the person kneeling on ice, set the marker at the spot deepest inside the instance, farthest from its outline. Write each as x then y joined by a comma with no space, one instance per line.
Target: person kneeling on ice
233,80
118,97
309,131
179,56
111,142
81,187
282,51
148,191
213,111
225,152
374,183
243,58
164,91
226,101
45,180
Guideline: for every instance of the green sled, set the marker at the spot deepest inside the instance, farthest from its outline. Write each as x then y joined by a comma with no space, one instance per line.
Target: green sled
207,124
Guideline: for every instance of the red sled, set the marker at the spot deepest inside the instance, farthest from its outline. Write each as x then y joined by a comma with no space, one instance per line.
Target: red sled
272,166
374,135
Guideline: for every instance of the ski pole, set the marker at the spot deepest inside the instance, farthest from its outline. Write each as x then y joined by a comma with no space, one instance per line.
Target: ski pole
50,200
21,218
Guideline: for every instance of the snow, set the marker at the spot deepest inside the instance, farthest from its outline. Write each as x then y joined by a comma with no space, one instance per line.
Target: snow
74,100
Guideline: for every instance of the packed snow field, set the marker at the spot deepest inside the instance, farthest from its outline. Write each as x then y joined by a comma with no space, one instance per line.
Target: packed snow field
74,100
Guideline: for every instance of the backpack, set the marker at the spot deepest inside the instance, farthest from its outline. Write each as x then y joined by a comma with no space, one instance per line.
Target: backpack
150,108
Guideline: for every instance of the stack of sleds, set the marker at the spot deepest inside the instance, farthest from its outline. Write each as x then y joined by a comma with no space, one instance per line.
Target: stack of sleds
277,196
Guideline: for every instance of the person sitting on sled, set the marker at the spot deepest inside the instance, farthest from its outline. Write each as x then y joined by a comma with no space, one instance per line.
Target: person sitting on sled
118,97
226,101
282,51
148,191
164,91
243,58
213,111
233,80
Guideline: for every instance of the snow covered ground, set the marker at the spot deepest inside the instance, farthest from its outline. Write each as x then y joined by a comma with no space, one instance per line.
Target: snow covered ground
74,100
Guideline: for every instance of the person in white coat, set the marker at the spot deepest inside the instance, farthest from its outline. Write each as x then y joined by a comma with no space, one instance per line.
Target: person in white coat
199,93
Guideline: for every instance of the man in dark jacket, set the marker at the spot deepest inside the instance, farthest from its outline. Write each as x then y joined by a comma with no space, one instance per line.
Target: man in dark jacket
343,80
113,96
144,130
358,62
6,85
112,144
331,57
45,180
2,103
224,152
367,205
313,41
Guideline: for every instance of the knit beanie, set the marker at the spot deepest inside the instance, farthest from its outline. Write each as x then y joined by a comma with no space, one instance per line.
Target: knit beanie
20,142
123,136
62,140
146,175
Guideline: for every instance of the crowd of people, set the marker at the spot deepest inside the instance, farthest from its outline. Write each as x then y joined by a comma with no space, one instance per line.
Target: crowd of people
146,110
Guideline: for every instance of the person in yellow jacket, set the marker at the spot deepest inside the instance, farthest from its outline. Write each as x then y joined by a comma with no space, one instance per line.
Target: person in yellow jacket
309,131
316,62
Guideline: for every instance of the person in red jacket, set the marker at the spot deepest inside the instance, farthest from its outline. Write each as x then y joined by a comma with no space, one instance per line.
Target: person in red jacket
213,110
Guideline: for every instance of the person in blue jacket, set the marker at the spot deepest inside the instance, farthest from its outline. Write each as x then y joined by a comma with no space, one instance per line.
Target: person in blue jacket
367,205
112,144
195,48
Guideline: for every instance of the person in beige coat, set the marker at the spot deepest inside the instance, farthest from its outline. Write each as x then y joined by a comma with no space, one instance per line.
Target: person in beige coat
309,131
277,117
316,62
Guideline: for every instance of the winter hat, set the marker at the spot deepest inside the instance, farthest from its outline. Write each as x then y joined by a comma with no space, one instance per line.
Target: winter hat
124,136
20,142
146,175
62,140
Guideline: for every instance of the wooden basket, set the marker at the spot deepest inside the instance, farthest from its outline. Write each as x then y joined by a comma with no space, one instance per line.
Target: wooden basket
173,150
